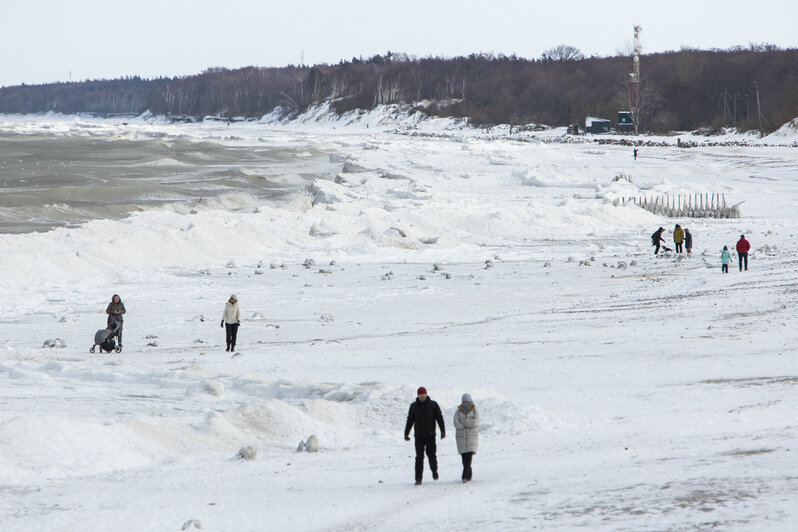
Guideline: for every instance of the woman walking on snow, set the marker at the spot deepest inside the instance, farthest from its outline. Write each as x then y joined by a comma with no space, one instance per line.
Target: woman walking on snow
688,241
231,319
466,424
116,310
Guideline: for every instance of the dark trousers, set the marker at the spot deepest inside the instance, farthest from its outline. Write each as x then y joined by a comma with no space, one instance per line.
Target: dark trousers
467,472
656,250
678,247
231,330
118,331
724,268
427,443
743,257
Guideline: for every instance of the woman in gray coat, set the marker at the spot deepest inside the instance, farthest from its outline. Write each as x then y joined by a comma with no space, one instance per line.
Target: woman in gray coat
116,310
466,424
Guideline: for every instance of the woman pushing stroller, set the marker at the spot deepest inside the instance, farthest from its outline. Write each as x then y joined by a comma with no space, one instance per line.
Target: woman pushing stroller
116,311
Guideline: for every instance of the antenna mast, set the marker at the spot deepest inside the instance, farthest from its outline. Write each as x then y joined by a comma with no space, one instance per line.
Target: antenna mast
633,83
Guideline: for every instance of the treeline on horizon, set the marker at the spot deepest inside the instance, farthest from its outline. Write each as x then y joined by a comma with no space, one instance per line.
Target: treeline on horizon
683,90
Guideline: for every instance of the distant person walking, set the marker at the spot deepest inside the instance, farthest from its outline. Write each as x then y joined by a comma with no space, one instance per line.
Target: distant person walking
421,417
678,238
231,319
742,252
116,310
725,259
635,154
688,241
466,424
656,239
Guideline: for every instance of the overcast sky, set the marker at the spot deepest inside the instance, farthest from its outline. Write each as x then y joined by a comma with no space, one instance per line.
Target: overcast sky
57,40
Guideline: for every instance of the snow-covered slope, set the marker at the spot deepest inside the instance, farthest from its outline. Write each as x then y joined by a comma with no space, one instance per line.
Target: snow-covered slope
617,390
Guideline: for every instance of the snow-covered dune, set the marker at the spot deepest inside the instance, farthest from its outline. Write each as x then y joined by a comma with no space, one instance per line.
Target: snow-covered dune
617,390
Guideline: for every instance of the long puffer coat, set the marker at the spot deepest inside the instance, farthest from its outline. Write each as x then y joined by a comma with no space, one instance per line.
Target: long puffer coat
467,426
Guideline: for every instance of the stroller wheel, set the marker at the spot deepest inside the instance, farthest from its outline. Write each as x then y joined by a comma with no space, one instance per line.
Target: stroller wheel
118,349
91,349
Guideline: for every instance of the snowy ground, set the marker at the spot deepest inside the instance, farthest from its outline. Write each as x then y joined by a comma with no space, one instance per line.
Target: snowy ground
617,390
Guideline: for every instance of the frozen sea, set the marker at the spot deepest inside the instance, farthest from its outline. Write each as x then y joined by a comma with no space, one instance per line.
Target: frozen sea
372,255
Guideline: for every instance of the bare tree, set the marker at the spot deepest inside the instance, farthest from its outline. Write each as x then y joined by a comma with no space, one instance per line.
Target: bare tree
388,90
562,52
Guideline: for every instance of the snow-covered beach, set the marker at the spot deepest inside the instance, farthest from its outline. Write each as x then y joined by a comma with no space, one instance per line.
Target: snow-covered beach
617,390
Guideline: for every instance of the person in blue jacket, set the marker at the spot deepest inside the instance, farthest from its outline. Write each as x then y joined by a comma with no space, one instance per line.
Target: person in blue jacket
725,258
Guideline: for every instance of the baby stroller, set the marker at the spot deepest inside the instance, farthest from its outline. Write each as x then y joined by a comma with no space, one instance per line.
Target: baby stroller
106,338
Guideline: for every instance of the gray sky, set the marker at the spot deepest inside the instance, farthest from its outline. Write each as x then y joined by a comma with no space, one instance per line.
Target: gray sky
57,40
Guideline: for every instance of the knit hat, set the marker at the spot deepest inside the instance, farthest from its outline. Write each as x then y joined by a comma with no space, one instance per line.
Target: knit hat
233,297
466,398
421,390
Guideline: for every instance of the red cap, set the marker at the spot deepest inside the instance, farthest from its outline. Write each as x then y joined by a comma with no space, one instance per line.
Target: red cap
421,390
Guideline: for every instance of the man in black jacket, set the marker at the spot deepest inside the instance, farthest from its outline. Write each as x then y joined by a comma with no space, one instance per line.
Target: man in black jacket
424,413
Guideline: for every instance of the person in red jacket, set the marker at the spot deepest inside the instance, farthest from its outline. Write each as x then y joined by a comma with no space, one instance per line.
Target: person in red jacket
742,251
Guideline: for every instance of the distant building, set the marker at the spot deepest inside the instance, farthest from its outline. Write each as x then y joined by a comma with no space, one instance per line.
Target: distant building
625,121
573,129
597,125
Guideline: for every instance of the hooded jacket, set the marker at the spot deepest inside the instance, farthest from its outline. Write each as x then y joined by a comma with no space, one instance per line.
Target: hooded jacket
423,415
116,306
466,425
725,257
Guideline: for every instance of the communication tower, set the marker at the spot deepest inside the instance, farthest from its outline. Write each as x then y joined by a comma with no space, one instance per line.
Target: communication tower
633,83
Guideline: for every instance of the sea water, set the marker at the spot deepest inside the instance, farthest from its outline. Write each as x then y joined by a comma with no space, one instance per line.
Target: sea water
50,180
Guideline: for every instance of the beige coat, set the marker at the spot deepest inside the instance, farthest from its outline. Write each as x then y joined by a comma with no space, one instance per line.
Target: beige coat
466,425
232,313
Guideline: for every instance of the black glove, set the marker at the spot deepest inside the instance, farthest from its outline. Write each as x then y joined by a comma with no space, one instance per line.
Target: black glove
443,436
222,324
407,438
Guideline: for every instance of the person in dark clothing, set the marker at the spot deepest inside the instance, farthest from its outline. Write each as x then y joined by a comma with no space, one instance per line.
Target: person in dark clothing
742,251
656,239
116,310
635,154
421,417
688,241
